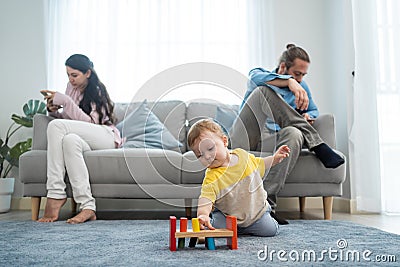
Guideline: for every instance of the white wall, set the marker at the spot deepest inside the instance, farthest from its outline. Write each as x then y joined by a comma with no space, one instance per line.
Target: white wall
323,28
22,59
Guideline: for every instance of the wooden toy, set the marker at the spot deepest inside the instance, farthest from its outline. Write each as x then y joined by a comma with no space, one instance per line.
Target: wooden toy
182,228
230,233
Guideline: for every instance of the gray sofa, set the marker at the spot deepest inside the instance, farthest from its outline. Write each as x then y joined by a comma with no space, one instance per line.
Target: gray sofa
139,173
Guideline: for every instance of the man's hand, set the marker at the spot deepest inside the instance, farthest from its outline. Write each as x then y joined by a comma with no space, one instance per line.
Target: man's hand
204,221
308,118
299,93
280,154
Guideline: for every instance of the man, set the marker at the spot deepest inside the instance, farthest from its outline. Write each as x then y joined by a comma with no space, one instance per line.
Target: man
281,101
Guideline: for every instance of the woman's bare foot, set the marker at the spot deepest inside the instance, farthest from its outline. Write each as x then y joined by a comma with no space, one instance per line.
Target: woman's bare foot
83,216
52,209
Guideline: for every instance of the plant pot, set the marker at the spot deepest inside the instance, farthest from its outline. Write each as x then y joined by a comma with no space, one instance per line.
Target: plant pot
6,190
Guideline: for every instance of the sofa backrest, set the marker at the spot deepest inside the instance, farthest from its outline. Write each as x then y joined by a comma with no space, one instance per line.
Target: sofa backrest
201,110
176,115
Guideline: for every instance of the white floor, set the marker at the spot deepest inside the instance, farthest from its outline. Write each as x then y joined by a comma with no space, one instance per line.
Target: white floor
388,223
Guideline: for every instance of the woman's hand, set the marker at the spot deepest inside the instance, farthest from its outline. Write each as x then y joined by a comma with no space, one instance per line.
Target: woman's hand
280,154
49,96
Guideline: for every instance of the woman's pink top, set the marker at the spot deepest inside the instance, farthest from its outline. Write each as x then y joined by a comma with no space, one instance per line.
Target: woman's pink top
71,110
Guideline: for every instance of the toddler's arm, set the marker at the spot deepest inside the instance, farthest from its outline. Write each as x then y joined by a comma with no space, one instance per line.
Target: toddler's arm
204,208
280,154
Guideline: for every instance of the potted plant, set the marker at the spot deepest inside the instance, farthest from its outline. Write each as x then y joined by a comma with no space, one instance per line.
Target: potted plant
9,156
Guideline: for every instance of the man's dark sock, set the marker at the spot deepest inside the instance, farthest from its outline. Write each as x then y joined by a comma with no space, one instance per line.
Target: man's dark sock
272,202
280,220
327,156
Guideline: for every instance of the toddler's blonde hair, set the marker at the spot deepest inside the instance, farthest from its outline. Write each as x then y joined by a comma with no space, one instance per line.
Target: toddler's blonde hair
200,127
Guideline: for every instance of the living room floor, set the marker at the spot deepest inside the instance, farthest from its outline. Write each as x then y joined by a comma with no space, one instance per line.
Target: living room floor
388,223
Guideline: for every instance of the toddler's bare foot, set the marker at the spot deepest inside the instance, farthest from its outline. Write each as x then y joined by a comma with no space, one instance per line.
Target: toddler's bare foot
52,209
83,216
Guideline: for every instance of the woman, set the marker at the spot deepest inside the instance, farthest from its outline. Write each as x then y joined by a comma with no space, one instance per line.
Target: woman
85,122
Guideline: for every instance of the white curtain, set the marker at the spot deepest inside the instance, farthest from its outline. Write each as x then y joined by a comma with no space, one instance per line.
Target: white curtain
374,136
364,159
388,96
131,41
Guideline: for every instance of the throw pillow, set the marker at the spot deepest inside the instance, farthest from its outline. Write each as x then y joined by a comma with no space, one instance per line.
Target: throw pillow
143,129
225,116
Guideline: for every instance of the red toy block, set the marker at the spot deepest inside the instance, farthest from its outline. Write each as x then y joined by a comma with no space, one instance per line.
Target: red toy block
172,231
182,228
230,233
231,224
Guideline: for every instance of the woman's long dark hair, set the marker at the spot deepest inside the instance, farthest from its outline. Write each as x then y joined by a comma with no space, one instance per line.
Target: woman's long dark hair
95,92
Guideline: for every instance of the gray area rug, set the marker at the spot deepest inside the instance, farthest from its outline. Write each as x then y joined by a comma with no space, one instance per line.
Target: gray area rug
145,243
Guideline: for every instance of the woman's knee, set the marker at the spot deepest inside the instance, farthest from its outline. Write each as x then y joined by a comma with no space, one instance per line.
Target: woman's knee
71,141
55,125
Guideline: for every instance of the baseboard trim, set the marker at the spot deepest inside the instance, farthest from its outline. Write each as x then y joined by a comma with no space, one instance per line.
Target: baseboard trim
284,204
354,209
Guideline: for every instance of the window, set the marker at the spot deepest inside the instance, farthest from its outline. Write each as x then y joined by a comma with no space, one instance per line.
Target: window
131,41
388,101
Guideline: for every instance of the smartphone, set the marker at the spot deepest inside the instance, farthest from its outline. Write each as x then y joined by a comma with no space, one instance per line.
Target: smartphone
44,93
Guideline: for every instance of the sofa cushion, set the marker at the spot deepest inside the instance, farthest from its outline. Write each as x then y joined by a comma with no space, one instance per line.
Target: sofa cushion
200,110
171,113
225,117
143,129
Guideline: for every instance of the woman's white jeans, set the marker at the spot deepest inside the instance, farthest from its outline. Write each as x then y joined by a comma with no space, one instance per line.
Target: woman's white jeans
67,140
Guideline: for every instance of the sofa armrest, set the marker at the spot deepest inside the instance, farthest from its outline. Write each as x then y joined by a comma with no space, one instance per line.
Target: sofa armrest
325,125
40,122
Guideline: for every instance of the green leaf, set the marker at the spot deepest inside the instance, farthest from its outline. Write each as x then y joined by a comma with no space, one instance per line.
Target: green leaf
24,121
4,150
31,108
12,155
17,150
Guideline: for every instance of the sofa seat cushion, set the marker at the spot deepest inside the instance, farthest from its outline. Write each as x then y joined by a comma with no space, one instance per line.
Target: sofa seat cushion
192,169
143,191
114,166
134,166
308,169
34,167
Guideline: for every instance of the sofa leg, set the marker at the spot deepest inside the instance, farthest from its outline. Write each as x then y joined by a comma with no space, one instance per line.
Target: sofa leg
35,207
328,204
302,203
188,208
